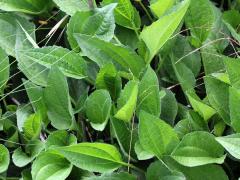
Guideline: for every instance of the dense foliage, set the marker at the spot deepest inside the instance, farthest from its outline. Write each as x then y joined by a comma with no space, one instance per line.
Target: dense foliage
116,89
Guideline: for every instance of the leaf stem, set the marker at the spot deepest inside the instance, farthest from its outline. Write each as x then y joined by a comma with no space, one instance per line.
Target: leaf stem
145,10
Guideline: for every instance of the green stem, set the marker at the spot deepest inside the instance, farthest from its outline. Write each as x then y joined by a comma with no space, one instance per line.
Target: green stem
145,10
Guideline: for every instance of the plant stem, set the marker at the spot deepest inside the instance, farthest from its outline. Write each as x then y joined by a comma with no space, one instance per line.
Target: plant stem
90,4
145,10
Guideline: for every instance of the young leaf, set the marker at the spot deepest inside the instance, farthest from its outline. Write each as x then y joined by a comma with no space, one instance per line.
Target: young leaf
141,153
127,101
50,166
198,148
149,98
5,70
72,6
231,143
159,170
103,53
25,6
218,96
125,14
99,23
4,158
155,39
98,107
32,126
234,100
57,100
97,157
233,66
60,138
155,135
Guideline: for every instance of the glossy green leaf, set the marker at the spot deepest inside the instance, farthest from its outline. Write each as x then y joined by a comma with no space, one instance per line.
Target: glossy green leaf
198,148
159,170
160,7
99,23
25,6
57,100
4,158
234,100
167,24
148,97
32,126
60,138
231,143
72,6
103,53
22,113
97,157
127,101
98,107
50,166
141,153
155,135
232,66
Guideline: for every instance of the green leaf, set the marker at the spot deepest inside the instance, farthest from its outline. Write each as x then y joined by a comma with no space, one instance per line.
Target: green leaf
218,96
160,7
200,19
127,101
32,126
232,66
207,172
141,153
97,157
57,100
108,78
125,138
149,98
12,38
70,63
72,6
125,14
98,107
159,170
25,6
4,158
5,69
198,148
103,53
60,138
22,113
169,106
234,100
155,135
99,23
22,158
203,109
35,95
115,176
231,143
155,39
50,166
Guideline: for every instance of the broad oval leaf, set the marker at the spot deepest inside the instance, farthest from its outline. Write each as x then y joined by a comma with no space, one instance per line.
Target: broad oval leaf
234,100
127,101
25,6
97,157
231,143
50,166
57,99
198,148
148,97
155,135
98,107
4,69
160,7
233,66
157,34
32,126
4,158
103,53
